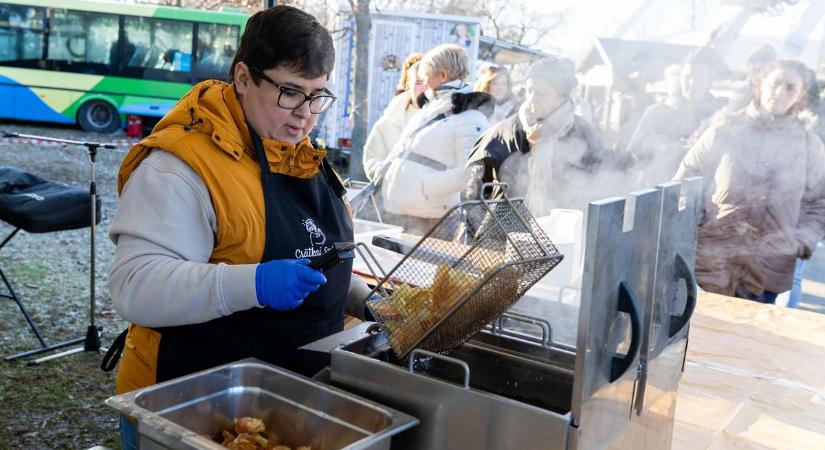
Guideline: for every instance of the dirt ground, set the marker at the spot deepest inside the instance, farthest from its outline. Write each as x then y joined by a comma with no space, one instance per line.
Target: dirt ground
58,405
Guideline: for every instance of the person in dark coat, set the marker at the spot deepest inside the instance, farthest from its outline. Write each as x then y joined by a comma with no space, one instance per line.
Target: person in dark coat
544,152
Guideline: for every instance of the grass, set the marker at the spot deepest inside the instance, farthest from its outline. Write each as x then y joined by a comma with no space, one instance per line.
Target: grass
57,405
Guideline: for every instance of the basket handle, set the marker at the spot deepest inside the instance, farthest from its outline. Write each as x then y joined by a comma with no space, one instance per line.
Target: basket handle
684,272
627,303
364,252
493,184
546,328
458,362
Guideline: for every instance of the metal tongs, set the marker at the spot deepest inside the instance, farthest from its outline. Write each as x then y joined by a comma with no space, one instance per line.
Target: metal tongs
340,252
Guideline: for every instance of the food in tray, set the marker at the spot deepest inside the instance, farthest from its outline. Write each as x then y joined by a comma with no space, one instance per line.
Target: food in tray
249,425
250,433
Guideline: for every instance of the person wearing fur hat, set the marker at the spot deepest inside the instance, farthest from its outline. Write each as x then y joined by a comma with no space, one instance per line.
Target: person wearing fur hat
544,152
764,192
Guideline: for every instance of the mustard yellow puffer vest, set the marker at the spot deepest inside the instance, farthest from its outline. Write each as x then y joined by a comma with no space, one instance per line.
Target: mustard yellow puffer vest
208,131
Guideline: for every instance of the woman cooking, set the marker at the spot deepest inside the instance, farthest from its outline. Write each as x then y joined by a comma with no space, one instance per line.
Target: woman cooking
220,209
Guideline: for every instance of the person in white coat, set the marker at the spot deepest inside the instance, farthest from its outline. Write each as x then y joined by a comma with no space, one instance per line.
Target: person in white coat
388,128
426,170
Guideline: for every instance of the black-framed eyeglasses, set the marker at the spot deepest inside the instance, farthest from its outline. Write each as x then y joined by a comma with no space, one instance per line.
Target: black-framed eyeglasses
289,98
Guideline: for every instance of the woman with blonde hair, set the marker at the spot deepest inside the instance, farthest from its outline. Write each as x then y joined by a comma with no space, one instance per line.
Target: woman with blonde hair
408,74
495,80
764,195
387,129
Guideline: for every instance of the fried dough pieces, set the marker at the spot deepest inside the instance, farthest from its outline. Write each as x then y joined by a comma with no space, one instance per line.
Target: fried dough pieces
249,435
411,311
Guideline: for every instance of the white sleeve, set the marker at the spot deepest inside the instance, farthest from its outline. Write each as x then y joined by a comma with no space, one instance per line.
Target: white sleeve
357,297
385,134
375,149
164,233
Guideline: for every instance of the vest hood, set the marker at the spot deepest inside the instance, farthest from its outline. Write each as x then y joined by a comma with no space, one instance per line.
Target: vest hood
212,110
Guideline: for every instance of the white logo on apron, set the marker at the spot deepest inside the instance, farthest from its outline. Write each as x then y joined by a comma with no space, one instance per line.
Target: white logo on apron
317,240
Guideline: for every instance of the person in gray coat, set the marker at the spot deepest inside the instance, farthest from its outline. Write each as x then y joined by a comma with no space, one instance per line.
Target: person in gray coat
764,194
663,134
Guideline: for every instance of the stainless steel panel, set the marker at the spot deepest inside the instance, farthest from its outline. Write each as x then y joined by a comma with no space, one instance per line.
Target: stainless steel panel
454,417
618,274
187,412
331,342
664,348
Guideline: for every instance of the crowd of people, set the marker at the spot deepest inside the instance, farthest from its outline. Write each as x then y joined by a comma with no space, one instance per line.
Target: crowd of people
223,206
759,151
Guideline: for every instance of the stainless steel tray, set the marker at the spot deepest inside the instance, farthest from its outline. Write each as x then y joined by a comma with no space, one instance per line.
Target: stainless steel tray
186,413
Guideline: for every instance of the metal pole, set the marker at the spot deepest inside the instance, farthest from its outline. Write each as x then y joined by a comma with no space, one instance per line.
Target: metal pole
91,342
93,195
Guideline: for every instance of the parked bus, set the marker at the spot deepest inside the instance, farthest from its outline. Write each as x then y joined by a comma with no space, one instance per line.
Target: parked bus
93,63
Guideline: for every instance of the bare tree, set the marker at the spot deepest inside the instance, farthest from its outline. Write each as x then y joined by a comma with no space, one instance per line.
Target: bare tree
249,6
360,128
774,7
728,33
510,20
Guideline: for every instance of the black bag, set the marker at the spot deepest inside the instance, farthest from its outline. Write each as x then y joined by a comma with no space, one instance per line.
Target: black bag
40,206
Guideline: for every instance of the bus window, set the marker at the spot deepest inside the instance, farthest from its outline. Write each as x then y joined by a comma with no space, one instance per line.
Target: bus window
217,45
159,44
21,34
77,37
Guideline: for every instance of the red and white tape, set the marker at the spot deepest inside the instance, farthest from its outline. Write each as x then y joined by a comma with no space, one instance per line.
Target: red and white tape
123,144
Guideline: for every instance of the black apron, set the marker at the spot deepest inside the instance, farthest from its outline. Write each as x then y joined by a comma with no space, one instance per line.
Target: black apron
304,218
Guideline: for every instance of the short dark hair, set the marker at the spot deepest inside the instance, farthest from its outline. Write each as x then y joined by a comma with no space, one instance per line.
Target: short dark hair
284,35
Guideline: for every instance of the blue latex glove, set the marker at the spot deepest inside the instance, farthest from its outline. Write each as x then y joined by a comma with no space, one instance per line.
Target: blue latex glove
284,283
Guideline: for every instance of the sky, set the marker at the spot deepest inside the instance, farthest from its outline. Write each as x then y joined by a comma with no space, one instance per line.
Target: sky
670,21
587,19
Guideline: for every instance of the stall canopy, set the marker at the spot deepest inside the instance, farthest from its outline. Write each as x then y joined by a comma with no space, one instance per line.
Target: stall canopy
608,61
502,52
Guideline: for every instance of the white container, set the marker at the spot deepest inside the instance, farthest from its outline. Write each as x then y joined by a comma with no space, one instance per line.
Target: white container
365,230
565,227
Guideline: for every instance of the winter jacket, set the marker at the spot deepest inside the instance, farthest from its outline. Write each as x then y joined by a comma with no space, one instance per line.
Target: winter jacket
190,225
764,200
504,152
426,171
386,132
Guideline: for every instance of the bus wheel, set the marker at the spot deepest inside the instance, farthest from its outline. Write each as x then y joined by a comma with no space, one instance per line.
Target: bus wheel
98,116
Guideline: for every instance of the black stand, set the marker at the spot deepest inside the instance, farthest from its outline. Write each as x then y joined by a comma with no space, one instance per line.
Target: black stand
13,295
91,342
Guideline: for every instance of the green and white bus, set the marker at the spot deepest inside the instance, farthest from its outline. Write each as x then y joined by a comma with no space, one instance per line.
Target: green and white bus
94,62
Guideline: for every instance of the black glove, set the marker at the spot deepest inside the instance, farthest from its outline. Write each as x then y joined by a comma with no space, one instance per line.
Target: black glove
803,251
